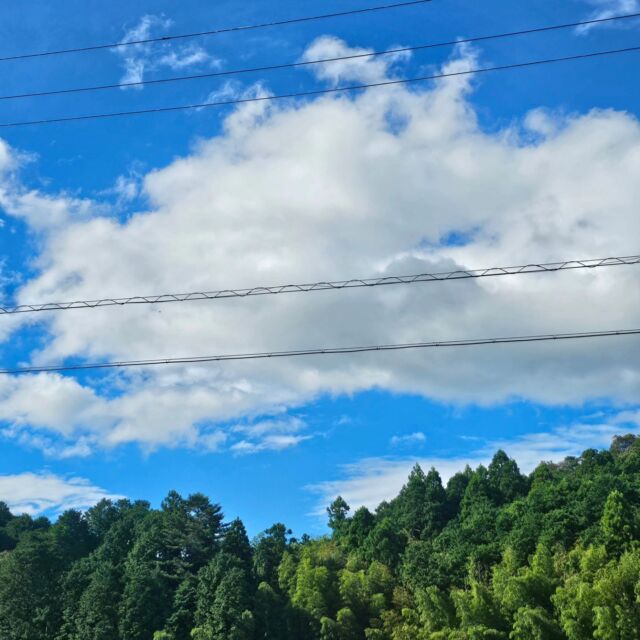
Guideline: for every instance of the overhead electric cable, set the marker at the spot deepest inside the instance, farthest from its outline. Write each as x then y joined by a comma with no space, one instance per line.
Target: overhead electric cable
317,92
459,274
321,351
215,32
306,63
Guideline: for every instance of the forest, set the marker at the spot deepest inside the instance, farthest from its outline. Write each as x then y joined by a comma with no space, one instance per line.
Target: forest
493,553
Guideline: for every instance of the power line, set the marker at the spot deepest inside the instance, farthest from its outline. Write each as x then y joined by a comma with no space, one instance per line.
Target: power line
306,63
317,92
321,351
459,274
215,32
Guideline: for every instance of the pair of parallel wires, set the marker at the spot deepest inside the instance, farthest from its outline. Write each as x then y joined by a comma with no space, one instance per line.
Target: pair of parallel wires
226,294
298,64
316,286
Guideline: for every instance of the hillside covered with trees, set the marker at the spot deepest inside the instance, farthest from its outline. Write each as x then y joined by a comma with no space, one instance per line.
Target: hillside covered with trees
493,554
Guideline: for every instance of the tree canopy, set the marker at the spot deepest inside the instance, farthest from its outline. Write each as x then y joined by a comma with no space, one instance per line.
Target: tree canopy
491,554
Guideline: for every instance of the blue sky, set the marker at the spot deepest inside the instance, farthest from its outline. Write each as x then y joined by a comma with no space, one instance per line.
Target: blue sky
527,165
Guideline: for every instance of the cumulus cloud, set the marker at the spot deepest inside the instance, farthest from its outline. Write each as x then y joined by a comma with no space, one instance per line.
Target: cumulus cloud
40,211
63,418
354,69
370,481
37,493
139,59
53,403
343,186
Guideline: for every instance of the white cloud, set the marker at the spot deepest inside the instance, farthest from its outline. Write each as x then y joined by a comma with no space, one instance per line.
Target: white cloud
268,443
268,427
608,9
370,481
50,402
411,439
270,435
213,441
365,70
40,211
139,59
125,189
187,57
62,418
37,493
7,157
43,212
372,184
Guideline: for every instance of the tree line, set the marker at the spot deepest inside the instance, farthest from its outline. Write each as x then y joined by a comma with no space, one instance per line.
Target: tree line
493,554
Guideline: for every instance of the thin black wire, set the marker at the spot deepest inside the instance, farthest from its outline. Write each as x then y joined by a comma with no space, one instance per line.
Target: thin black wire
305,63
316,92
459,274
215,32
322,351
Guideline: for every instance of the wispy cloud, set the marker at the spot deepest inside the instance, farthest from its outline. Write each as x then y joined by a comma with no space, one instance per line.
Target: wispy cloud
140,59
37,493
268,443
608,9
369,481
185,58
408,440
269,435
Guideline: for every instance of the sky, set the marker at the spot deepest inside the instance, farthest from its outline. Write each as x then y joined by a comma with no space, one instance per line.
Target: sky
496,169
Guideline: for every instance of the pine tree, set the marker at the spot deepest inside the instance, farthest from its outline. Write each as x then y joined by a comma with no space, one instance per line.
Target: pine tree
223,601
182,619
269,549
337,513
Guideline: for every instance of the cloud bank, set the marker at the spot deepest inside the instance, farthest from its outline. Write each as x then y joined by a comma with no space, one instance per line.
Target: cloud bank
389,181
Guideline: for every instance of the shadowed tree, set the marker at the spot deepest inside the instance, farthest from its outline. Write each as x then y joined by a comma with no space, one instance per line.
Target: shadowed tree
337,512
269,548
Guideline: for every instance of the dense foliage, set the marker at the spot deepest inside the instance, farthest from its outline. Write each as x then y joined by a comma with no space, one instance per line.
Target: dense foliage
494,554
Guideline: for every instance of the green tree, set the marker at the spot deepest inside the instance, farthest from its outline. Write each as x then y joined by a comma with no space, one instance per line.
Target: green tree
617,524
29,579
269,549
337,512
223,600
534,624
476,608
270,614
97,614
384,543
145,603
359,527
421,506
182,618
575,599
236,543
505,479
617,590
